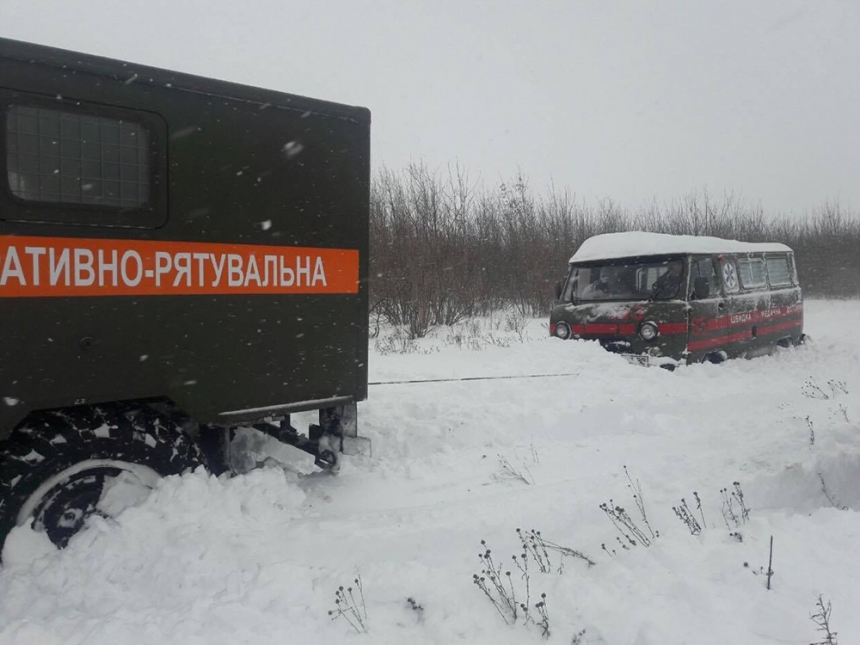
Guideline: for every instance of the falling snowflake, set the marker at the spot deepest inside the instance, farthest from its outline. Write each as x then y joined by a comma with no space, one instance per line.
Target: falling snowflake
292,148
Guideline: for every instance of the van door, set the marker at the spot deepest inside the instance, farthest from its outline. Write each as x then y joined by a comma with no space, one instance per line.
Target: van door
785,317
707,306
735,317
750,308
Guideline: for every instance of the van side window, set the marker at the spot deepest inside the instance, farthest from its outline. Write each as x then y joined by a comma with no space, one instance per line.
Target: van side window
704,268
730,276
778,271
54,155
751,272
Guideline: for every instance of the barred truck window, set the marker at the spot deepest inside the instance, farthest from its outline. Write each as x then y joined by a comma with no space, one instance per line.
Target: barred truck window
779,271
67,157
751,271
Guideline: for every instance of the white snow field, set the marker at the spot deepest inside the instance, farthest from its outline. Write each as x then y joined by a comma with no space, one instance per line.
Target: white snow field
257,558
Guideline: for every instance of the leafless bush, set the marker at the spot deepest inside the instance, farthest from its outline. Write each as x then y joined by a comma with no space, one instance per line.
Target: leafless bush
734,509
688,516
538,549
822,621
476,335
416,607
444,250
510,472
631,531
626,525
829,494
639,497
812,390
516,322
398,340
510,590
350,606
499,587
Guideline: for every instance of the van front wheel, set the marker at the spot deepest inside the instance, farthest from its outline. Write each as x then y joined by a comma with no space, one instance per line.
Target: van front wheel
715,357
61,467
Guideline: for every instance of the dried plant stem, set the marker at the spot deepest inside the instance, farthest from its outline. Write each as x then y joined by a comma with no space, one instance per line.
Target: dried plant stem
822,620
770,564
346,607
639,498
699,508
514,473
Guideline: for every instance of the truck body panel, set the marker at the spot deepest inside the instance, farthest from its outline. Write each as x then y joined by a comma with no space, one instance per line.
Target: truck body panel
227,172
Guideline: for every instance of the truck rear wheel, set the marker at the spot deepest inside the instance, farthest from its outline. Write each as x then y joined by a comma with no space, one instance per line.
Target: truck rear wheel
60,467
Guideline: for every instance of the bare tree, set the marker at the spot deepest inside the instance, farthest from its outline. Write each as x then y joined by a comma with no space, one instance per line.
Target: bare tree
443,250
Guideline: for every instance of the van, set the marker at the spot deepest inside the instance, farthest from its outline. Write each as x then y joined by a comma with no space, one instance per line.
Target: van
672,299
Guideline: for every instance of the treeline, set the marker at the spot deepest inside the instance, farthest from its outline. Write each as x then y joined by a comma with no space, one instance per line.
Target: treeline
443,250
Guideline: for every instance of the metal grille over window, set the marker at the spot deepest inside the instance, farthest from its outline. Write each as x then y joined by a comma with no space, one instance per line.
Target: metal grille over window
778,271
751,271
57,156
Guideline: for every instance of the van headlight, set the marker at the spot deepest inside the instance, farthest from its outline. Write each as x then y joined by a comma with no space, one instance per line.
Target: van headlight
562,330
648,331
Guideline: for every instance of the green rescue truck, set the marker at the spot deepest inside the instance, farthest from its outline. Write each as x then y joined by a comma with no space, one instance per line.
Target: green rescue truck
179,257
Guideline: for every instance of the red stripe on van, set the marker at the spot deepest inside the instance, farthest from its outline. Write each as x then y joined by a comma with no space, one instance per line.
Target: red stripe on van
720,340
600,328
752,317
744,335
704,325
773,329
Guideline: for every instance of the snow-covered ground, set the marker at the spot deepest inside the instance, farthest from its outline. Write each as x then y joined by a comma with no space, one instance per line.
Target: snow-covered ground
257,558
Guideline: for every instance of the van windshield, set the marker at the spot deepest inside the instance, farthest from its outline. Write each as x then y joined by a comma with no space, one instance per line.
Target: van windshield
633,280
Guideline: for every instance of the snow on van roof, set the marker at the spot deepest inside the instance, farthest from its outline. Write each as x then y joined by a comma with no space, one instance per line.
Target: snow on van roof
610,246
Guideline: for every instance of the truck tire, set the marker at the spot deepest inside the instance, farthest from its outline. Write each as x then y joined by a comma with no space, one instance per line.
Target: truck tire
54,466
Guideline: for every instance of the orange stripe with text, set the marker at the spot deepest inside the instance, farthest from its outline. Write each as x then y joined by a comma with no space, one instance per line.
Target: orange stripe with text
33,267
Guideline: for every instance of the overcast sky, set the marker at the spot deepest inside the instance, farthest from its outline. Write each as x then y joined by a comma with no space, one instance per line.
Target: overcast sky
629,100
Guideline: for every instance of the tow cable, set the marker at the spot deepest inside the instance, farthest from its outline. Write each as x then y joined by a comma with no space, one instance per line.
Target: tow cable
472,378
